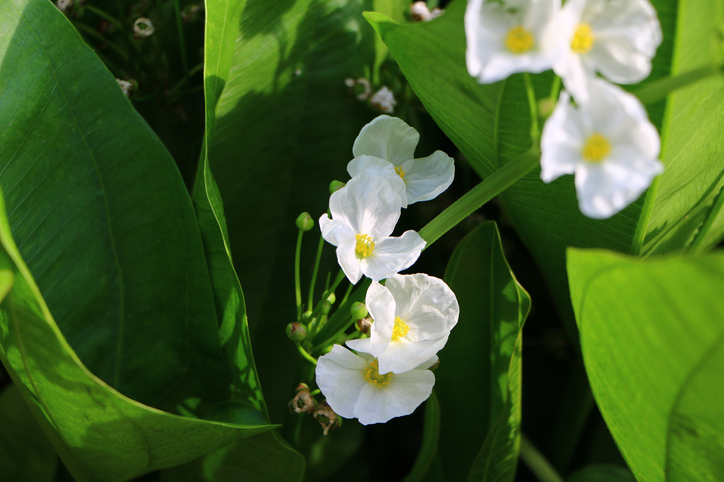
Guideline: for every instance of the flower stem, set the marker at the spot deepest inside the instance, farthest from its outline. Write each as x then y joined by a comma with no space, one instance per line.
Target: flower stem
659,89
347,293
315,270
297,277
495,184
330,290
533,104
182,43
315,392
555,88
536,462
305,355
334,336
104,15
97,36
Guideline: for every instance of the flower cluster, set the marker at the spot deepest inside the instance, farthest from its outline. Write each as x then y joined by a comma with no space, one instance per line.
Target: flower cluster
606,139
412,315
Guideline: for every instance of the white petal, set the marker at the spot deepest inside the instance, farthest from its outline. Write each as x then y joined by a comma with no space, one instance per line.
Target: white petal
426,178
335,232
561,141
427,364
368,204
403,355
382,168
381,306
340,378
392,255
405,392
349,262
426,304
388,138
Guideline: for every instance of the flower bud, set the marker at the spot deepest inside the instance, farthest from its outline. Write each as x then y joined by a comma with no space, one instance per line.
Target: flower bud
545,107
305,222
331,298
335,186
326,308
364,324
296,332
143,28
384,100
128,87
358,310
303,401
326,417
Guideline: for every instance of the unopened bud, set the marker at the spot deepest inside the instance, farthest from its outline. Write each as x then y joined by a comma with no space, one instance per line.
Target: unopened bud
306,316
143,28
331,298
303,401
358,310
296,332
326,308
326,417
65,6
545,107
335,186
127,87
364,324
419,12
305,222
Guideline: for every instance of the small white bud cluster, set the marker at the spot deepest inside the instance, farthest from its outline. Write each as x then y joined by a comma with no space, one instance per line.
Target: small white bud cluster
420,12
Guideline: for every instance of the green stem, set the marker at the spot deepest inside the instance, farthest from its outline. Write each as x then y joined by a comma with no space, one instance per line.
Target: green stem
180,28
659,89
315,270
533,104
297,277
496,183
102,14
555,88
325,295
315,392
347,293
198,68
96,35
333,337
536,462
713,216
304,354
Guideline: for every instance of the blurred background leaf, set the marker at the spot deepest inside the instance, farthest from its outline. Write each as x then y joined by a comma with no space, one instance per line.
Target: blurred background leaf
652,336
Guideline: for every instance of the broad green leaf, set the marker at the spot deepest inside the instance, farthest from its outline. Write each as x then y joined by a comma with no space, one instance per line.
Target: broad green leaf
478,381
652,336
262,458
25,452
100,434
101,216
491,124
602,473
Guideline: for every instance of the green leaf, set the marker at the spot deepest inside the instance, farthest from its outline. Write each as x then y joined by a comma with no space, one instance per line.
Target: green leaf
602,473
491,124
653,343
430,437
100,434
262,458
25,452
478,381
101,215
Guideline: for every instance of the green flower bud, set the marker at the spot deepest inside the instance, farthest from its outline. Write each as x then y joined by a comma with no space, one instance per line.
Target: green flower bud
335,186
296,332
358,310
545,107
326,308
305,222
331,298
306,316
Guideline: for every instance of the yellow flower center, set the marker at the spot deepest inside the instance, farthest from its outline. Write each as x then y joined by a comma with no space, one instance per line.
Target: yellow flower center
372,375
364,246
400,172
400,329
596,148
582,40
519,40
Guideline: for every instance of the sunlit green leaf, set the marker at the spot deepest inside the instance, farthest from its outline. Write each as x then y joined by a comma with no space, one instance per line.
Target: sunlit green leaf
652,335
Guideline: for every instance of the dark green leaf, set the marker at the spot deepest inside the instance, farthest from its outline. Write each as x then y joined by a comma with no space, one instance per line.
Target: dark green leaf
652,338
101,216
602,473
25,452
430,438
478,382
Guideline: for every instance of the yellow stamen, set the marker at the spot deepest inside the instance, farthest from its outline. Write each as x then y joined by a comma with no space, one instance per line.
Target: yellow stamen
365,245
519,40
401,328
400,172
372,375
596,148
582,40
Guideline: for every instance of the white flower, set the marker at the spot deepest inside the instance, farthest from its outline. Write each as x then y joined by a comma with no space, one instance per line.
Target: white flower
505,37
355,389
386,146
413,316
364,214
617,38
420,12
384,100
608,143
